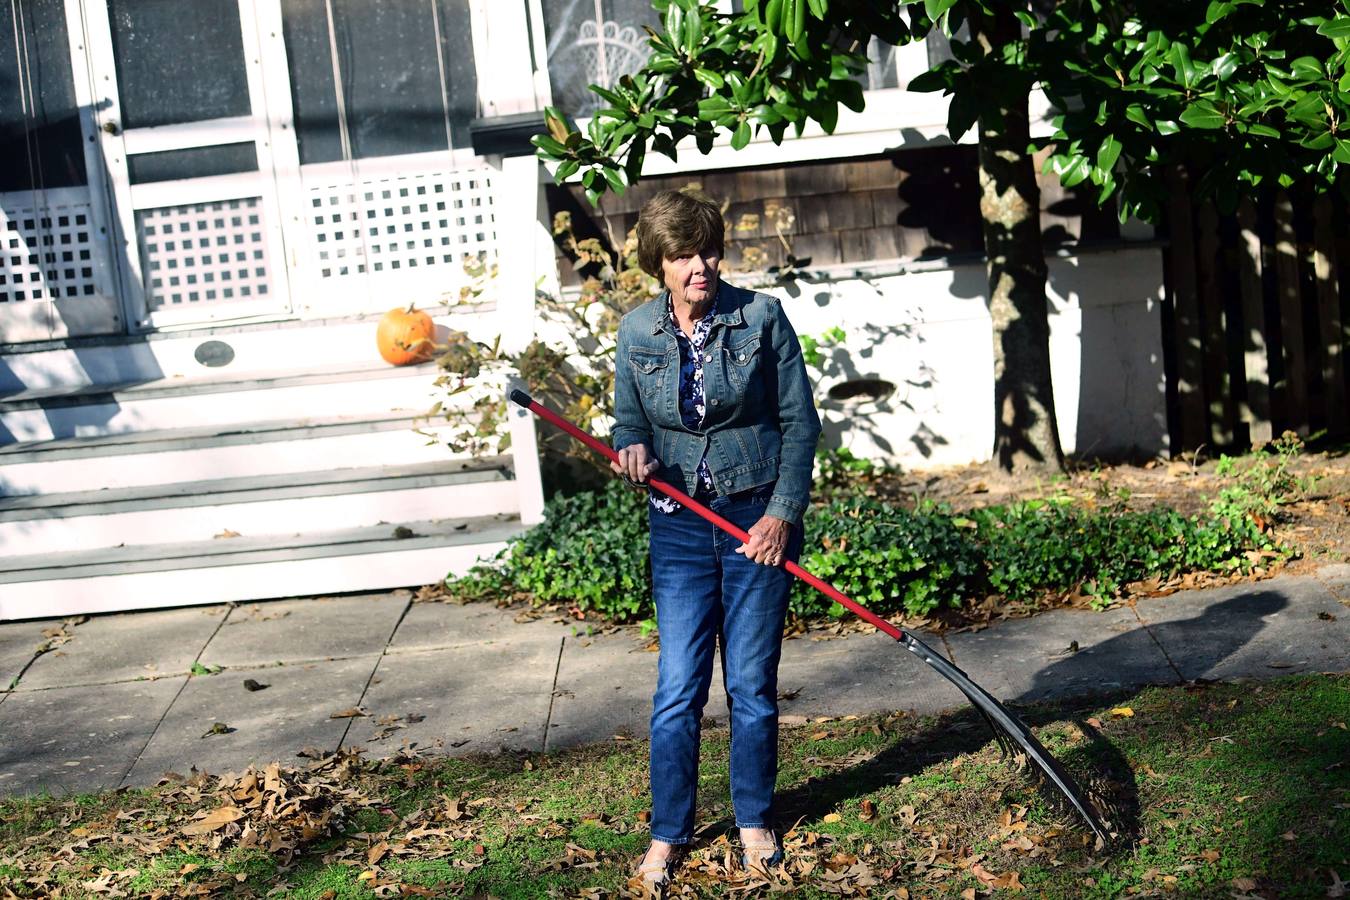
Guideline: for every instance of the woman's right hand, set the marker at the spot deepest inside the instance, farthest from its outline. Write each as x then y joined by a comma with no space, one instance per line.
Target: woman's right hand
635,463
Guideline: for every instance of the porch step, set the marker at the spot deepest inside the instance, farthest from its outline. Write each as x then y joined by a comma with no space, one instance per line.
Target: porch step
168,403
248,567
160,456
282,503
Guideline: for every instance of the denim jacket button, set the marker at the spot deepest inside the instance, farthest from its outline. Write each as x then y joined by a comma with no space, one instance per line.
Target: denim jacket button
707,357
716,402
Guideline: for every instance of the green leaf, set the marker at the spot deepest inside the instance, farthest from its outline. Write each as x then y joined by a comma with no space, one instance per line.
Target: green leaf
1225,65
773,16
1323,141
851,95
711,108
1135,113
1338,27
615,179
709,78
566,170
1078,172
549,146
1263,131
935,8
1342,152
1311,110
932,80
1166,126
820,9
1108,153
1308,68
1217,10
1203,114
961,114
794,20
741,136
1180,57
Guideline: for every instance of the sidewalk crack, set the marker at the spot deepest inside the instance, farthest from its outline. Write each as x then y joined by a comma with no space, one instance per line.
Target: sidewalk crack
370,679
552,694
229,611
1157,643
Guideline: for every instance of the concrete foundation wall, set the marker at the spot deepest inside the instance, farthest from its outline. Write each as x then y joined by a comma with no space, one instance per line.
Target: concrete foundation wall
929,334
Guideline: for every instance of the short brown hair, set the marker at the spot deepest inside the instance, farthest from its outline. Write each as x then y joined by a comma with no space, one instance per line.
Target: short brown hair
674,222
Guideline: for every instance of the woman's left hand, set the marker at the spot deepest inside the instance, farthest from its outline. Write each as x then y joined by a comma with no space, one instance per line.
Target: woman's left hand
768,541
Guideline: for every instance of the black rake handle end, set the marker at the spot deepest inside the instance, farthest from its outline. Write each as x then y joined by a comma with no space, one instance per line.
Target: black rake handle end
519,396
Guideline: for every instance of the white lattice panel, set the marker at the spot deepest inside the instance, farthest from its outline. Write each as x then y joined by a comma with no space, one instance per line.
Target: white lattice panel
394,224
46,253
204,253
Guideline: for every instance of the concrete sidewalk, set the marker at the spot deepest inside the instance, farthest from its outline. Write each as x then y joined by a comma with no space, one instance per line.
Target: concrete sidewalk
116,702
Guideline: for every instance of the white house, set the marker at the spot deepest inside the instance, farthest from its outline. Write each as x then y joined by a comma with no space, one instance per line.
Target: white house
206,206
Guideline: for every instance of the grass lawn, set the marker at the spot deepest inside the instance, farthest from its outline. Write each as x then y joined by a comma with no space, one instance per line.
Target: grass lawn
1219,791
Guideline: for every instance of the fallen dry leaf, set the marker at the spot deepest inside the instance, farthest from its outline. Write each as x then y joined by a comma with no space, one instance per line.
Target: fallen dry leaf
1122,712
351,713
217,818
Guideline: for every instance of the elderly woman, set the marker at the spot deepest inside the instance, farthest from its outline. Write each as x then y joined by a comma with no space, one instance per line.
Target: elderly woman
711,394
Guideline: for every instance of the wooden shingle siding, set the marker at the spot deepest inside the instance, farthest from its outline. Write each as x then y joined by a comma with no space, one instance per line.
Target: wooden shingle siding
920,203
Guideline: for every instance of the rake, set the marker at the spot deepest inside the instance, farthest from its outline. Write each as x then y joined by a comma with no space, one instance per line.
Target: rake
1014,738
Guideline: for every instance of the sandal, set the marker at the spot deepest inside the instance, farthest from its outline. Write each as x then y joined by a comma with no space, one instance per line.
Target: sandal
760,856
658,874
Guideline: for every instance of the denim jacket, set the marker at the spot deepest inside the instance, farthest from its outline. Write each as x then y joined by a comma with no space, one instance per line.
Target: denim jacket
760,425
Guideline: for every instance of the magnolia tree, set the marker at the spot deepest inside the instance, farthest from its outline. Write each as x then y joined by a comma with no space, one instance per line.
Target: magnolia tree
1243,92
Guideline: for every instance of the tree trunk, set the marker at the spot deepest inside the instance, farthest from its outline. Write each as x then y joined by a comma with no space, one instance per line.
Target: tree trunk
1026,435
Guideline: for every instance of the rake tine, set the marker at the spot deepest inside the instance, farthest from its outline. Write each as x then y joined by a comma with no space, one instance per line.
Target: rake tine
1007,727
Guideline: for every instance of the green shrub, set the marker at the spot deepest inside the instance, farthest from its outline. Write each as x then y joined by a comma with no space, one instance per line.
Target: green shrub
1038,545
591,552
1259,484
885,557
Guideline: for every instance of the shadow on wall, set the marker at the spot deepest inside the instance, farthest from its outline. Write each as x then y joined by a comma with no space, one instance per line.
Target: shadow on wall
859,391
1120,410
1120,404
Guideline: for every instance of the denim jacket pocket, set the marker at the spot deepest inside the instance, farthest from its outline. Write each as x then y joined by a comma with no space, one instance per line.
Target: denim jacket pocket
741,362
649,371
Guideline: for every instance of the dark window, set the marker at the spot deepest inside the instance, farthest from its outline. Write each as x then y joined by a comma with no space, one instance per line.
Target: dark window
178,62
594,42
881,70
404,79
197,162
41,145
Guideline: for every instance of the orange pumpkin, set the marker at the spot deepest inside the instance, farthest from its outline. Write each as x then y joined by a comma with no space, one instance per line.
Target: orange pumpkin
406,336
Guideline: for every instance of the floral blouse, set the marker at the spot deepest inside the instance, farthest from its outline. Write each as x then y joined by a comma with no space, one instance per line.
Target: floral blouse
692,406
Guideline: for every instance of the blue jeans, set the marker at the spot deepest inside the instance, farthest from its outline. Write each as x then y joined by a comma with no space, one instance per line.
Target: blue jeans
706,593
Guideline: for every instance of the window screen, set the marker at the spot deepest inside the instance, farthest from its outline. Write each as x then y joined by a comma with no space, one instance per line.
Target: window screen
177,61
40,140
594,42
379,79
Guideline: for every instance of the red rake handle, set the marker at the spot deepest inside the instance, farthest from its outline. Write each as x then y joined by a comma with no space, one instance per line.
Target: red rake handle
524,399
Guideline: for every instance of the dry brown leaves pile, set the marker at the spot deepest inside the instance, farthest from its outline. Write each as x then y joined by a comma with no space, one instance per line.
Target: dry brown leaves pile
925,863
277,810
